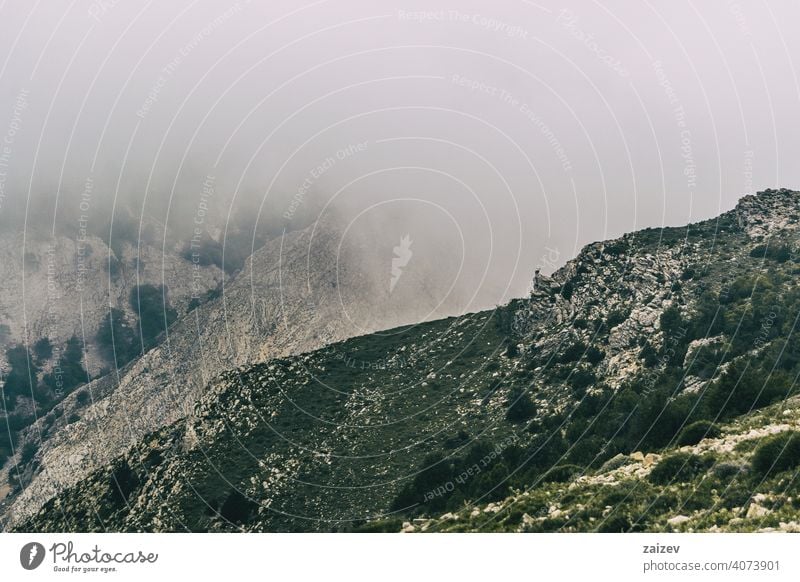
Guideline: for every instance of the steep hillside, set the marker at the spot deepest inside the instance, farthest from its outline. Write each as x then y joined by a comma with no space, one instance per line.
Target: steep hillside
739,477
302,291
659,337
58,294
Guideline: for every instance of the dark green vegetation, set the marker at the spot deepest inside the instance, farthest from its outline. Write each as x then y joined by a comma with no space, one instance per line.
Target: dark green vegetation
591,406
21,377
679,467
155,314
208,296
696,432
47,374
777,454
712,487
25,380
68,372
326,390
43,349
117,339
776,252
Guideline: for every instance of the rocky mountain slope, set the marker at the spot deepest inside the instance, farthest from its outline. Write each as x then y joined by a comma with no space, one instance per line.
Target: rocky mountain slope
551,413
726,482
299,292
61,286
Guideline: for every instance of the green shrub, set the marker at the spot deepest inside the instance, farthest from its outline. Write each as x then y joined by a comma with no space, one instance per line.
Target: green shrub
649,355
29,451
512,350
18,421
697,431
459,440
43,349
726,471
777,453
742,388
71,363
581,379
567,289
155,314
7,442
520,406
671,321
21,377
237,509
69,373
779,253
679,467
562,473
572,353
615,248
739,289
595,355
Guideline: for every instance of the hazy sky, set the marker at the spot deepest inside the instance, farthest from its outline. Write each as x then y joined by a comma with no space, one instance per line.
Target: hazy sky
507,133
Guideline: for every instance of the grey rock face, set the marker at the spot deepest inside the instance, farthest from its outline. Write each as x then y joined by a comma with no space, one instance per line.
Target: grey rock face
59,287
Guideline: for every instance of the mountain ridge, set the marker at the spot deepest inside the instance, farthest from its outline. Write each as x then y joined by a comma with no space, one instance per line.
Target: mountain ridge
298,293
630,328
